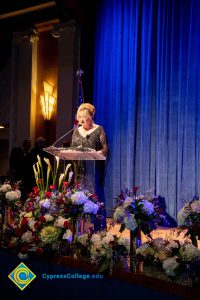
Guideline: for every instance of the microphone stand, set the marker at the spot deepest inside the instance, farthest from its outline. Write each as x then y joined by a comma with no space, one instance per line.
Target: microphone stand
64,135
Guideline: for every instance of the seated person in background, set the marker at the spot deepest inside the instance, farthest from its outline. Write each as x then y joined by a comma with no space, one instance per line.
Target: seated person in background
91,135
20,167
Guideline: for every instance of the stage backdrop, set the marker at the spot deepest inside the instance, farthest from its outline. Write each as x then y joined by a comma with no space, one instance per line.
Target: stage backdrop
147,95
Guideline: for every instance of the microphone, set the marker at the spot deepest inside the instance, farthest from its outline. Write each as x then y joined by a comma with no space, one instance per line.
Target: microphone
68,132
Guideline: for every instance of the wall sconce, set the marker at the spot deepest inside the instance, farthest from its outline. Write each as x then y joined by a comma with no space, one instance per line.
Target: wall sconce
47,101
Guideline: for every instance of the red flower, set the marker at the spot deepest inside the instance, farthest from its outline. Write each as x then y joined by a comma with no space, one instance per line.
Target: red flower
60,201
66,224
11,245
24,249
35,191
36,225
52,187
65,184
39,251
48,194
135,188
76,185
36,239
18,232
94,196
42,219
24,222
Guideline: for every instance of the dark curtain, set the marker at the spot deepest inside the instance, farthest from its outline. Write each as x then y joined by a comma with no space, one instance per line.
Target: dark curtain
147,96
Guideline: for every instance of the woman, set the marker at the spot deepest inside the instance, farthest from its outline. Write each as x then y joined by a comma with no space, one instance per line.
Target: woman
91,135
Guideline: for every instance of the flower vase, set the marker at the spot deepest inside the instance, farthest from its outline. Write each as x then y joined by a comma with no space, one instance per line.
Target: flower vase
77,227
8,216
135,242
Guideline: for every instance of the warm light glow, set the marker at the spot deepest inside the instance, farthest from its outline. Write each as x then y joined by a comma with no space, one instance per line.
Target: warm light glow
47,101
2,127
48,87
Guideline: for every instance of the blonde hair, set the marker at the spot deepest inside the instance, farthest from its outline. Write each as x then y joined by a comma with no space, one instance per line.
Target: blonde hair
88,107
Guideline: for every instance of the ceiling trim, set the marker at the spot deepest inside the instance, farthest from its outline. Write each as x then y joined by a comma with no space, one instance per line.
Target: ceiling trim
27,10
46,26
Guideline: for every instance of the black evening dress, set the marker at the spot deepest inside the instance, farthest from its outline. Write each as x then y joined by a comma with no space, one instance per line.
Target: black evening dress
95,140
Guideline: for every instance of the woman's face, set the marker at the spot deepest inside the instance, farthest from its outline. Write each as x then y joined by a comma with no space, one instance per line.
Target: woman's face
85,119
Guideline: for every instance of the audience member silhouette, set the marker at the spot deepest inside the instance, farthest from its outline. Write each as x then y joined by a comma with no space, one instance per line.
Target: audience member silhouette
20,167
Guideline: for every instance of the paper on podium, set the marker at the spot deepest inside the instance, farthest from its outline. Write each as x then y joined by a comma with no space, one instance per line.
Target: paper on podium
72,153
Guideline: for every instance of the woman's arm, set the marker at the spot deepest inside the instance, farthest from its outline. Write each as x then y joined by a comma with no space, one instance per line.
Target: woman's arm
103,141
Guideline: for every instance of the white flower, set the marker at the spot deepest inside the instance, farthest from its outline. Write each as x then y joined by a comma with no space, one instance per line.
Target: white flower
5,188
79,198
90,207
170,265
172,245
23,255
31,223
145,250
162,254
13,240
18,193
159,243
130,222
21,214
119,214
59,222
27,237
48,217
67,235
94,253
45,203
196,206
182,215
108,238
124,241
96,240
12,195
83,239
190,252
147,207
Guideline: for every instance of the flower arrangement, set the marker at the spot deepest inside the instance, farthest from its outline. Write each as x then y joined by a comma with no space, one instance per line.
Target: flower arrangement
177,259
50,222
189,220
10,202
9,194
136,212
51,216
103,249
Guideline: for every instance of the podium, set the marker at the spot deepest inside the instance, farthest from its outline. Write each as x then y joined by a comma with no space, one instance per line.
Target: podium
72,153
86,160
